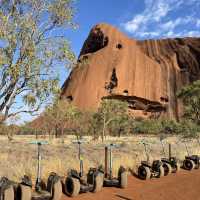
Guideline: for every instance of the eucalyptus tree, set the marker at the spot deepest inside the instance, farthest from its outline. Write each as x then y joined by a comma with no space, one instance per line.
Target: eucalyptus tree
32,44
111,111
190,96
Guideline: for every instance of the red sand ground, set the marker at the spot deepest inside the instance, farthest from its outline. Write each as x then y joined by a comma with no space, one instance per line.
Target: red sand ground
182,186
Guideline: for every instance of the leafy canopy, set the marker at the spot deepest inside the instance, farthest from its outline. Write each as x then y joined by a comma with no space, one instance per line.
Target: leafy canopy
32,44
191,98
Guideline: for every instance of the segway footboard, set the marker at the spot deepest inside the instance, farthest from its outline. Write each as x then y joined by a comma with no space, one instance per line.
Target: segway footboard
114,182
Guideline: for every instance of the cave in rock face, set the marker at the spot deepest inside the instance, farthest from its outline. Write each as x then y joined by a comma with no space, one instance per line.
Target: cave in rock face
146,74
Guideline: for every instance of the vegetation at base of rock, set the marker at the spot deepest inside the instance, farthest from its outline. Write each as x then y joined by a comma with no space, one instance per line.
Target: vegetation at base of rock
111,119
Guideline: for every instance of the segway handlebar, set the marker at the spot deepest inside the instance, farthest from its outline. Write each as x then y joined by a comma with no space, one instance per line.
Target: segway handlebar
113,145
39,142
79,141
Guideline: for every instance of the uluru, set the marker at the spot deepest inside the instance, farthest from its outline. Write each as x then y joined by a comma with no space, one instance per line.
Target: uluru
145,73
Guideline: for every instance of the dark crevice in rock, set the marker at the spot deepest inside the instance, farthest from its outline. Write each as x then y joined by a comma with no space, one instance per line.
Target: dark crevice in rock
96,41
119,46
70,98
138,103
164,99
113,81
125,92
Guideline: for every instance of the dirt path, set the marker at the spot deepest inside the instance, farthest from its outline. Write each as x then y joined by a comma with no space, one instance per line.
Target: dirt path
182,186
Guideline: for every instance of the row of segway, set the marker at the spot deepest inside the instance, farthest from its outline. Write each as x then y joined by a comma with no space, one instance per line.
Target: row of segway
96,178
75,182
166,165
158,168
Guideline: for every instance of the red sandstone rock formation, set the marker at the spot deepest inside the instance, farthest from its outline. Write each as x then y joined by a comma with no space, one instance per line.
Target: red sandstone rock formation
147,74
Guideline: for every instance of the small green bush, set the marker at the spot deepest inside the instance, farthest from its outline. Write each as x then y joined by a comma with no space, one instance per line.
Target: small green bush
147,126
170,127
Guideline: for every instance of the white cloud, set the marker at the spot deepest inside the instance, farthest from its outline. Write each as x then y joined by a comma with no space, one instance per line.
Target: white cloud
193,33
198,23
149,34
133,25
155,20
172,24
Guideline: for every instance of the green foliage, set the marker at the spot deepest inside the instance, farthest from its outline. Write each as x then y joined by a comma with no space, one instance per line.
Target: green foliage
111,112
170,127
147,126
189,129
60,116
120,126
166,127
191,98
32,49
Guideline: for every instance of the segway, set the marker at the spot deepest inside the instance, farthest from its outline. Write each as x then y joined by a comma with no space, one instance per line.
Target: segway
6,189
191,161
109,180
170,164
51,191
76,182
146,170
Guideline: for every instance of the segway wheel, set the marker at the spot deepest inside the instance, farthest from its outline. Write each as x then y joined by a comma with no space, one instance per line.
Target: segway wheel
72,186
8,194
161,172
124,180
24,192
144,172
54,186
188,164
177,168
57,191
98,183
167,169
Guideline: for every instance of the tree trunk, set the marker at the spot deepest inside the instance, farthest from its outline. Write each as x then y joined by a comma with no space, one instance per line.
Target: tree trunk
56,131
36,134
62,135
104,128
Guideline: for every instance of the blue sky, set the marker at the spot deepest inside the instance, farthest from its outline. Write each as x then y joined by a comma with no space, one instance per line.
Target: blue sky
140,19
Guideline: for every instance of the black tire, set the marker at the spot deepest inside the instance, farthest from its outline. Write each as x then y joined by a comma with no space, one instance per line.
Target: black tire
24,192
98,183
54,186
167,169
72,186
188,164
144,172
8,194
161,172
124,180
57,191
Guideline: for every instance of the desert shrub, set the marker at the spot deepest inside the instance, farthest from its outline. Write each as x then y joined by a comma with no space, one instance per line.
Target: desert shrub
189,129
147,126
171,127
159,127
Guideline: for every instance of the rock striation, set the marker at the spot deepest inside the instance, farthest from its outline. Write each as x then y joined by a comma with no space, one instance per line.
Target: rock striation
147,74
